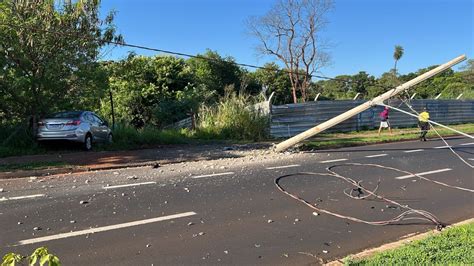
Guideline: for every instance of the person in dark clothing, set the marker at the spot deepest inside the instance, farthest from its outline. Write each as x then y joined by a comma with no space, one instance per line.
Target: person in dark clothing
423,123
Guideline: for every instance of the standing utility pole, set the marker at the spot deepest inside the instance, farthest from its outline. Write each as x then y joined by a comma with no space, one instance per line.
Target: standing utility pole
356,110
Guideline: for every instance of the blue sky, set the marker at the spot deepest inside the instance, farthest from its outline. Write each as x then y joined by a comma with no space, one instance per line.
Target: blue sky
363,32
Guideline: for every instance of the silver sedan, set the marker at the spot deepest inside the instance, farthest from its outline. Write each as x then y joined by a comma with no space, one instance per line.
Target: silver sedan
78,126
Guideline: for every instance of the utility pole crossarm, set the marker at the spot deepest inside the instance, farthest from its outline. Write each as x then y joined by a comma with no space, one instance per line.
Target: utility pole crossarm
358,109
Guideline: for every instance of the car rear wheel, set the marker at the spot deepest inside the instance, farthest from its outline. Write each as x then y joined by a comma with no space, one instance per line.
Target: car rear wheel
88,143
110,139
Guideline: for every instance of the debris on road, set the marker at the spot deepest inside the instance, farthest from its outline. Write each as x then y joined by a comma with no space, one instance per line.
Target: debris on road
199,234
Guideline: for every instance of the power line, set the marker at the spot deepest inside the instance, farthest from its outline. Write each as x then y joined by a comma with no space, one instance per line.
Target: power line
122,43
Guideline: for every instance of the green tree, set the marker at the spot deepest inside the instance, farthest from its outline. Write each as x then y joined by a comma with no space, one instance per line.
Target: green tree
155,90
335,89
382,84
360,82
468,71
215,72
275,80
48,52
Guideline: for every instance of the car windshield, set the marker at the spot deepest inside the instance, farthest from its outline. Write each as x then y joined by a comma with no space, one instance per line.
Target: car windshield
73,114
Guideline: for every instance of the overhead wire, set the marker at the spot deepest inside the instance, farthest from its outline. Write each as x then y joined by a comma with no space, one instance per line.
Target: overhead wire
142,47
409,213
439,135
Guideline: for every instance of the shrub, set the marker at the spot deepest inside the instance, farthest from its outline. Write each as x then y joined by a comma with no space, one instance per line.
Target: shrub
130,137
40,255
232,118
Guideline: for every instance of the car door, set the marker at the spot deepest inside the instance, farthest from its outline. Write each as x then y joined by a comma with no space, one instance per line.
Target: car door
102,128
94,127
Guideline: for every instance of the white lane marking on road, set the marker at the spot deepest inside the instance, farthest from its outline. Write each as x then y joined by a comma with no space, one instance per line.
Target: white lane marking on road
471,159
425,173
283,166
465,144
442,147
410,151
376,155
103,229
209,175
130,185
22,197
333,161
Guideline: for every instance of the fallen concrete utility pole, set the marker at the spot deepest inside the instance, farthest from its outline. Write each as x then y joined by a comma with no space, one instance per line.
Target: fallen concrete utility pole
356,110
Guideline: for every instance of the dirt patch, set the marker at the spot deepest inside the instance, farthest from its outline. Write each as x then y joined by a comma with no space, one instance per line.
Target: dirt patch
87,161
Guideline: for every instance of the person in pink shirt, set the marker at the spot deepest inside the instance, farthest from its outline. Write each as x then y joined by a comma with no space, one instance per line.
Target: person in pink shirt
384,123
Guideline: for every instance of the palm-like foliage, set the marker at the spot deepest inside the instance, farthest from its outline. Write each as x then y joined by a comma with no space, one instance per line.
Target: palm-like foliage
397,54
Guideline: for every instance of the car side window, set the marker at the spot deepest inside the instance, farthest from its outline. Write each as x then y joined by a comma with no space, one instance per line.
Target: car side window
89,118
98,120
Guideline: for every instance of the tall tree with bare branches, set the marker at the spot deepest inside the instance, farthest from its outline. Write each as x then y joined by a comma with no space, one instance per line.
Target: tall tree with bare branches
291,32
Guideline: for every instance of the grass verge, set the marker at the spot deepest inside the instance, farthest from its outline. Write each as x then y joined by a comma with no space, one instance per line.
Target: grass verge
358,138
32,166
454,246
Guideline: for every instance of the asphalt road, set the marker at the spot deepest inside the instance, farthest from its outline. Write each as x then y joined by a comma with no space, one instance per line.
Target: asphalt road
229,211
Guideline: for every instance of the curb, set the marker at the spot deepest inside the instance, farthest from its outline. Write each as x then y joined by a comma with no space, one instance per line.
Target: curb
404,240
75,169
84,169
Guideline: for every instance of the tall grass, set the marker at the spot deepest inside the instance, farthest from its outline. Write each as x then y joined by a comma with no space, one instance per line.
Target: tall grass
17,140
127,137
232,118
